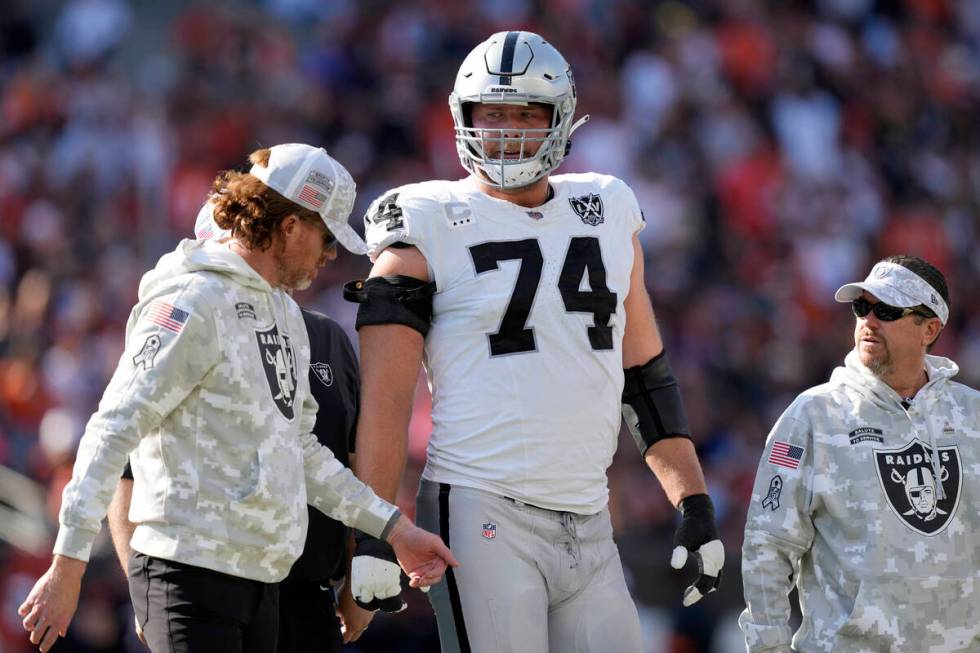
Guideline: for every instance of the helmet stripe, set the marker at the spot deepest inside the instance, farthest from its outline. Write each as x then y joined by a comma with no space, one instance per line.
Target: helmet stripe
507,57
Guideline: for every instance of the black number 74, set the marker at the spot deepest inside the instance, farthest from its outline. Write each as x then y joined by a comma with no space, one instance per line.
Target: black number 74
583,256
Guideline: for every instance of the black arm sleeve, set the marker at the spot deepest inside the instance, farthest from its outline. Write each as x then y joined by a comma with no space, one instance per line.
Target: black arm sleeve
652,404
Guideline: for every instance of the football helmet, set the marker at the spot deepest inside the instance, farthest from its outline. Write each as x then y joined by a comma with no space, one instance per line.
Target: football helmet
514,68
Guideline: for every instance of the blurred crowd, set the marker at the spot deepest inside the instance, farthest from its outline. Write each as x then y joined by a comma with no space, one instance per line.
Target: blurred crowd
778,148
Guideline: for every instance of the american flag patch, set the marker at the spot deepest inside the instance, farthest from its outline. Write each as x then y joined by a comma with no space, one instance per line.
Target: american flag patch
311,196
168,316
785,454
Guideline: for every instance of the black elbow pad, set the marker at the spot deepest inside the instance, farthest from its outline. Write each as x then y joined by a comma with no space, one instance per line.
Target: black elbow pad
652,405
395,299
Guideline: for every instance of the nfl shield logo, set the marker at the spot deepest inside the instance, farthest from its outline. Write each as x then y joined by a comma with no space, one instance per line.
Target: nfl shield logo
489,530
589,208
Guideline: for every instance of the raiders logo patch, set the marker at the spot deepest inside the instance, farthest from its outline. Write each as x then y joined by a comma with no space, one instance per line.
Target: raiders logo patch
279,362
910,483
323,372
589,208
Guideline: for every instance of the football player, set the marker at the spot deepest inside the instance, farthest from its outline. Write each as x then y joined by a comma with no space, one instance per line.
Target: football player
522,292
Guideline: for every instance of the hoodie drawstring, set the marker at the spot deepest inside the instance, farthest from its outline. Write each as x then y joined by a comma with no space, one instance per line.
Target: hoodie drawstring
933,457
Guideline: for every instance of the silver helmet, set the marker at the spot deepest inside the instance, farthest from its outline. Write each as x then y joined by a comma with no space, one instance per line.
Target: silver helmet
514,68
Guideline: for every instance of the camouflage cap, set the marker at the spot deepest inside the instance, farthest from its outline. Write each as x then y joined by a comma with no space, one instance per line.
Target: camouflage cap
896,285
312,178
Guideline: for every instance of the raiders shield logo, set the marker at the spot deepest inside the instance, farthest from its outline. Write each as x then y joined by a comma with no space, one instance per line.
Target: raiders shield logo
323,372
912,488
279,363
589,208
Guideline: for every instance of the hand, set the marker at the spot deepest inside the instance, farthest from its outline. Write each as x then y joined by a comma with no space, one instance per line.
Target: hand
375,575
697,534
422,555
49,607
354,620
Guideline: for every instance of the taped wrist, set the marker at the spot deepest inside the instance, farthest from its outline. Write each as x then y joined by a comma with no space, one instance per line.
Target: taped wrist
365,545
697,522
652,404
394,299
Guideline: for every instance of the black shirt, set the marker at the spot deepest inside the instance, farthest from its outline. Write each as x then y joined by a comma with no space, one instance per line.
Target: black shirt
335,383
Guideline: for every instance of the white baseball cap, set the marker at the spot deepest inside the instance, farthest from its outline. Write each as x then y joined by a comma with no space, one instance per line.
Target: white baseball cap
310,177
896,285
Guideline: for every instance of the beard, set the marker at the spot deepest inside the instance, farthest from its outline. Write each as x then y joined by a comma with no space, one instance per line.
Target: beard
291,276
880,365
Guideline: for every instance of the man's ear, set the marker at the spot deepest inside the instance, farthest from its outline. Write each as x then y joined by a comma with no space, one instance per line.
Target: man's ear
288,224
933,328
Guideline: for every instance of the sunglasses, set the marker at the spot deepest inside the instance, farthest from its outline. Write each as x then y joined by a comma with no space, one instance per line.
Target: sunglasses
883,311
328,238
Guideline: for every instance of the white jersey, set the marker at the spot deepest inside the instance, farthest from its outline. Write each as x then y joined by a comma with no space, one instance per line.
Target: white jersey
524,356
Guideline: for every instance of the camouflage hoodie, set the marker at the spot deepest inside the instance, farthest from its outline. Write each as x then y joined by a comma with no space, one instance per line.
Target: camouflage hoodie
212,399
881,536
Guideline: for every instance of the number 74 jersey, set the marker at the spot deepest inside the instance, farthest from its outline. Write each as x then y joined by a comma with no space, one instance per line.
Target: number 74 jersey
524,357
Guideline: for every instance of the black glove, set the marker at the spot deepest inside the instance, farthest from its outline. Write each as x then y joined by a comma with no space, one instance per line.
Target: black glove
697,534
376,582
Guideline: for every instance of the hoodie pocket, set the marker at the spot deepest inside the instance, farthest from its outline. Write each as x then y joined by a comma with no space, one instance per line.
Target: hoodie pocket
270,496
909,614
250,482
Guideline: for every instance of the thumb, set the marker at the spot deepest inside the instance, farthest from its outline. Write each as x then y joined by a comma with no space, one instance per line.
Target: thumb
679,558
27,605
449,557
440,549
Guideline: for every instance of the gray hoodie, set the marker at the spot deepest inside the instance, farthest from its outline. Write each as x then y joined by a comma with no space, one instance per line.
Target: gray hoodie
878,531
211,398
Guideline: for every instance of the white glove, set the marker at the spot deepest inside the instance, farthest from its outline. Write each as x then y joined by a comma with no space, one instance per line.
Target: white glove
375,580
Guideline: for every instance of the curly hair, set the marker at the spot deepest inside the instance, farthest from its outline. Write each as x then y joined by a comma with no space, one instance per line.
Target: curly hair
249,208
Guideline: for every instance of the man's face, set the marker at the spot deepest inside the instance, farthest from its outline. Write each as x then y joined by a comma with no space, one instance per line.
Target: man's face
923,498
304,248
511,118
881,345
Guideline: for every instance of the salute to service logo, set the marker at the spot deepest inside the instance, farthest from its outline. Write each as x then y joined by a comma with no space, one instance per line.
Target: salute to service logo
911,485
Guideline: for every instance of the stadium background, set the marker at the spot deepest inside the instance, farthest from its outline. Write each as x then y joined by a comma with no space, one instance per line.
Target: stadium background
778,149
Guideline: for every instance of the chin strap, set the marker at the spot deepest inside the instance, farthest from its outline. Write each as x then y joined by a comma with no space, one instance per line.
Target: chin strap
578,123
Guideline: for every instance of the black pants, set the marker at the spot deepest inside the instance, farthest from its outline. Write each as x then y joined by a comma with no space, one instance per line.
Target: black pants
307,618
186,609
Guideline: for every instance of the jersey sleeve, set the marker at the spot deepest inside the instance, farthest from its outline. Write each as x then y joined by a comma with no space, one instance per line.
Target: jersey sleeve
333,489
171,345
778,532
634,214
387,223
409,215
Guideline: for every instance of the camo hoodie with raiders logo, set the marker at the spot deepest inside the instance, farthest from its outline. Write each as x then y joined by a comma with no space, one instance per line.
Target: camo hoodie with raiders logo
871,507
211,400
